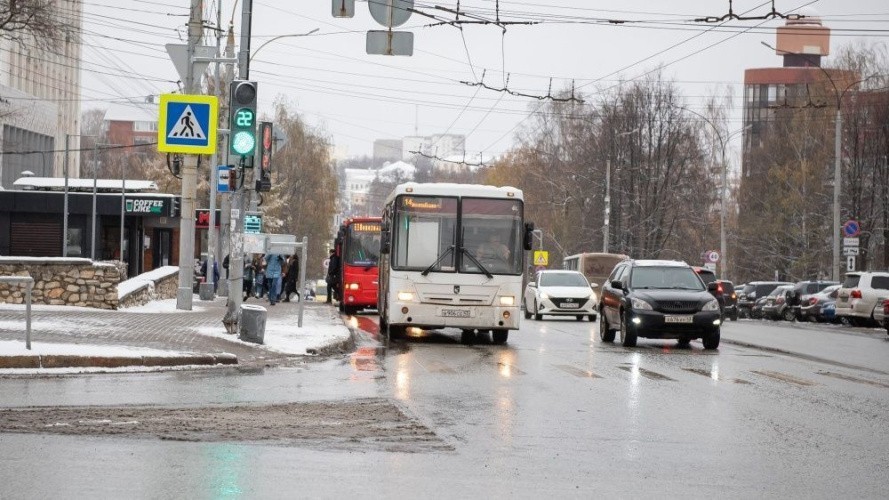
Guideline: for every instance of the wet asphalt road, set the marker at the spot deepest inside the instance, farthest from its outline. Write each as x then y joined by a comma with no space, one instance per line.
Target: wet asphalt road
554,412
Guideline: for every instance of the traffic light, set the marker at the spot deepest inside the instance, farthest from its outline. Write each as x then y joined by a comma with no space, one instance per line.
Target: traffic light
175,210
264,183
243,117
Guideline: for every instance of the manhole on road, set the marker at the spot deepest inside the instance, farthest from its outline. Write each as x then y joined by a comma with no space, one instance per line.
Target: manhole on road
375,424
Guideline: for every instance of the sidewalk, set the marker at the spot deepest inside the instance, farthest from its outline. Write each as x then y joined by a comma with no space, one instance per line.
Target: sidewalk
158,335
865,348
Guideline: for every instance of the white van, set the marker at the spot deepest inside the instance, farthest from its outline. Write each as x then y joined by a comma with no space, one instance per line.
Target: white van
860,293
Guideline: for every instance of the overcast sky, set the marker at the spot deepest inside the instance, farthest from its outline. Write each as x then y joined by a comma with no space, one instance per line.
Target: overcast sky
356,98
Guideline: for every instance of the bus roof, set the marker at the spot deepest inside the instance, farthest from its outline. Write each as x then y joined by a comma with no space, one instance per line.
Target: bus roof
453,189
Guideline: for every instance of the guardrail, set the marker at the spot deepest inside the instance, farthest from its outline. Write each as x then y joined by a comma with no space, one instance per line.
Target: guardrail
29,286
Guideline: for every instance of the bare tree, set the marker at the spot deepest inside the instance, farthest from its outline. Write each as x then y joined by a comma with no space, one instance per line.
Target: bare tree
32,21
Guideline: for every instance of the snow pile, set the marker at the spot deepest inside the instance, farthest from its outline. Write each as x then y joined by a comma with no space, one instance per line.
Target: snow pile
129,286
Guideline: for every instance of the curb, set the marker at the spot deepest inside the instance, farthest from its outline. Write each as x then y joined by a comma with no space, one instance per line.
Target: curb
339,347
70,361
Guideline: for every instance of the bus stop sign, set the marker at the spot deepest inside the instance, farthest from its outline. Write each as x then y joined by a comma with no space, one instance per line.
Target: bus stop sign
541,258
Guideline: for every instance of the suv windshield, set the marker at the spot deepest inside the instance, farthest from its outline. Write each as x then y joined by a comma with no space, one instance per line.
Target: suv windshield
665,277
563,279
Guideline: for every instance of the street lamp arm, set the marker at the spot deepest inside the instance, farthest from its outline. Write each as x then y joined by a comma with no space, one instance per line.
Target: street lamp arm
291,35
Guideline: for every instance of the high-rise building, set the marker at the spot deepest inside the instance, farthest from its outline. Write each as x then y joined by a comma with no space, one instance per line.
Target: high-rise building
40,102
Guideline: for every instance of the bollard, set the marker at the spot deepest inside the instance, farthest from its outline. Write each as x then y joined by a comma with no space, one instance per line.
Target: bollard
252,323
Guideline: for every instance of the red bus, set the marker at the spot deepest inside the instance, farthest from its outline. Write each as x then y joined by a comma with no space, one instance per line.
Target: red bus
358,246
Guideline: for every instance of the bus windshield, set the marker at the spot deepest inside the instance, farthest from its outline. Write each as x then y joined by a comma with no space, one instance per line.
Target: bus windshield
363,245
424,233
492,236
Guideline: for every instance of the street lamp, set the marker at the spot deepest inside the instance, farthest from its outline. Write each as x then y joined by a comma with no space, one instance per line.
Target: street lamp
837,152
292,35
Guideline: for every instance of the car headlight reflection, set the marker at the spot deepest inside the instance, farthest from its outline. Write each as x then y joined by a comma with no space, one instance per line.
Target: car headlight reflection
712,305
641,305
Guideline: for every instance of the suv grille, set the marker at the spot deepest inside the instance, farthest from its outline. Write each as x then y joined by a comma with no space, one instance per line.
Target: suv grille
677,306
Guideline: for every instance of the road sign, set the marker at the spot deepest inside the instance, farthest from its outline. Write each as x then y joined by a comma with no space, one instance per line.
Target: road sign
178,53
850,251
710,266
851,228
187,124
389,43
222,173
391,13
850,263
850,242
253,223
713,256
541,258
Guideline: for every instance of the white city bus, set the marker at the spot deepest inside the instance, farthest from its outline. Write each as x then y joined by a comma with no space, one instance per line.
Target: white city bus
452,256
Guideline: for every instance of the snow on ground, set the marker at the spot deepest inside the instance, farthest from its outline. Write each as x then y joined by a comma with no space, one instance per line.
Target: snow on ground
17,348
164,306
286,337
124,288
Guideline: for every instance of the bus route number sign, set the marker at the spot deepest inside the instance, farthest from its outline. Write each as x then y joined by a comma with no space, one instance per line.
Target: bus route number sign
366,227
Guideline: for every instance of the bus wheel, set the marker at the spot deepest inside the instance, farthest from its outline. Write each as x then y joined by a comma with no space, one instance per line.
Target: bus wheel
499,336
467,337
397,331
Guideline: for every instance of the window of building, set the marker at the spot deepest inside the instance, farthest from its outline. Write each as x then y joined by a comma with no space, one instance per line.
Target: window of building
144,126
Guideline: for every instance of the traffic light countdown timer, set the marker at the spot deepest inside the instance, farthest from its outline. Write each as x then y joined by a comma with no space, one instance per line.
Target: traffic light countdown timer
243,118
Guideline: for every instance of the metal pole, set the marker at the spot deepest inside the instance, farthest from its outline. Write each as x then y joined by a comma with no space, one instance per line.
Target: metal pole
722,242
65,209
123,200
184,294
607,229
93,232
301,280
837,187
29,286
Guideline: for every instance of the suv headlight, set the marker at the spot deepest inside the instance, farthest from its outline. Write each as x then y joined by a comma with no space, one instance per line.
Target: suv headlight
712,305
641,305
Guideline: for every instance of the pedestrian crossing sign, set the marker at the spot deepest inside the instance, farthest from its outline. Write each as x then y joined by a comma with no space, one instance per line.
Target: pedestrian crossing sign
541,258
187,124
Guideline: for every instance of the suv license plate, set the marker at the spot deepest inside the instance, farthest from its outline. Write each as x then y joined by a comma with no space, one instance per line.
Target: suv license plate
679,319
569,305
455,313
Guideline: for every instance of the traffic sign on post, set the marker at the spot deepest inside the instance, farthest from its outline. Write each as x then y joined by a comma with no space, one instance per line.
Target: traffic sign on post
187,124
541,258
222,177
851,228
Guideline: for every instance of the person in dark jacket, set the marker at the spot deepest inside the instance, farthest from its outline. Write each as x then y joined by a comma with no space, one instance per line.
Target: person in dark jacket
291,276
333,276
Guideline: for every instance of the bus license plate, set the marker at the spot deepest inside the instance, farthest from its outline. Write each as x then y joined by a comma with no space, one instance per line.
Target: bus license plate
679,319
455,313
569,305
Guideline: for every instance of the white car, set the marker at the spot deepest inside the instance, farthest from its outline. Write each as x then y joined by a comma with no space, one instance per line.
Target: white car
860,293
560,293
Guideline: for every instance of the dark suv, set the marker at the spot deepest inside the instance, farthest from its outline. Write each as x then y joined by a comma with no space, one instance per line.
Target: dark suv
728,299
658,299
754,291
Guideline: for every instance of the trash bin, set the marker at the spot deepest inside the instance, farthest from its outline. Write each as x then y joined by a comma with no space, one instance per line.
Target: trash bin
206,291
252,323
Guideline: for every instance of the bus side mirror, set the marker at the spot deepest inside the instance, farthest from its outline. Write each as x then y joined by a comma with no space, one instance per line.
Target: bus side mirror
529,236
384,241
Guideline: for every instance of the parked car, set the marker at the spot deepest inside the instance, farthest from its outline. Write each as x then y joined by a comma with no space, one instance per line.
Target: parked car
729,303
820,306
802,290
658,299
777,305
560,293
752,292
879,313
859,294
886,315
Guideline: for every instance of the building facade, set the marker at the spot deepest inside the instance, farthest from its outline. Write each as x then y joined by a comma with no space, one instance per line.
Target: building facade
40,105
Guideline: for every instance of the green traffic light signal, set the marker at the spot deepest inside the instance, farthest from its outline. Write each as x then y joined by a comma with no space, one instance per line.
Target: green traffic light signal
243,117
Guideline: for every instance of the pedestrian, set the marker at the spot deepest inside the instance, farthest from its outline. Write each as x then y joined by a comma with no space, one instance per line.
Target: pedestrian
273,264
249,271
215,274
258,277
333,276
291,277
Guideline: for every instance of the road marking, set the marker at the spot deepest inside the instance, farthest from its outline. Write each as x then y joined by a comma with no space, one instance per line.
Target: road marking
785,378
438,367
647,373
577,372
507,369
853,379
714,376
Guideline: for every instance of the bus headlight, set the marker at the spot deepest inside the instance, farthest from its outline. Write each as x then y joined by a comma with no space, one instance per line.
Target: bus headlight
507,300
406,296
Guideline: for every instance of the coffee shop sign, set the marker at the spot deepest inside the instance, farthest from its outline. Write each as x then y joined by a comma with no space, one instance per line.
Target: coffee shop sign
145,206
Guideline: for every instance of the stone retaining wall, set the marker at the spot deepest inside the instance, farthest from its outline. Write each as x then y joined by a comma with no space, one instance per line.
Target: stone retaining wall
63,281
165,287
